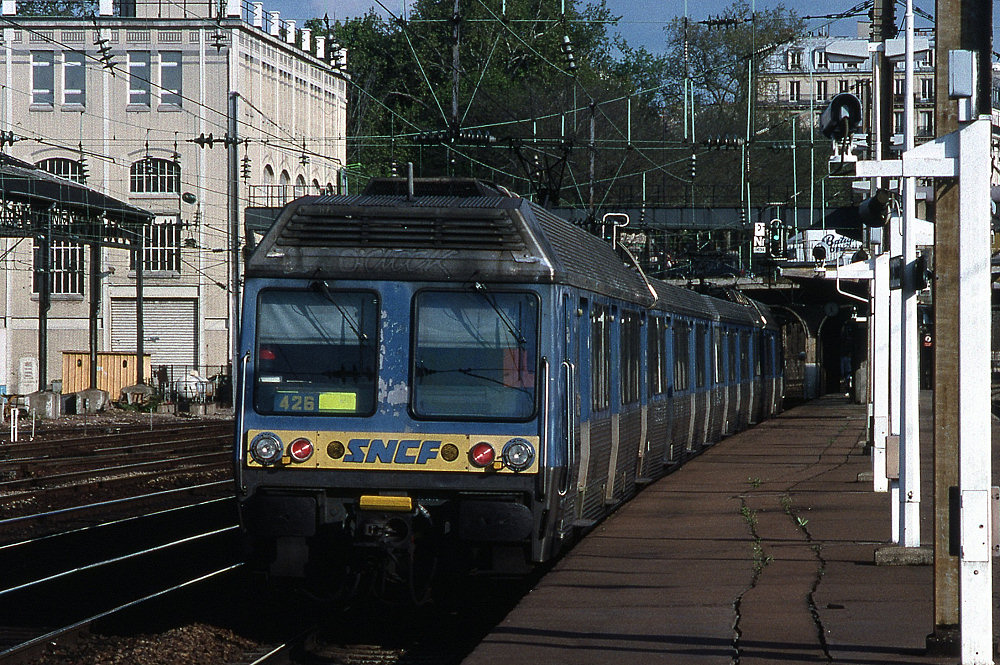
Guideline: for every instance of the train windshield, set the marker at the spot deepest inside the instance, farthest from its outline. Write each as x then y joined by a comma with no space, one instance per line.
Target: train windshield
475,355
316,352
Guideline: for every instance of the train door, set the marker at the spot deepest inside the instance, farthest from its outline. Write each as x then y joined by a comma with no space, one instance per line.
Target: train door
569,405
582,324
612,350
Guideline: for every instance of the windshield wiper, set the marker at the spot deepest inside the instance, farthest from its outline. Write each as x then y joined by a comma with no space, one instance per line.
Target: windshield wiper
321,287
514,331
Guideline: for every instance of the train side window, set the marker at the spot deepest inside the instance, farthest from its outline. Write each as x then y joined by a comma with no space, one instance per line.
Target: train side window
731,356
717,354
758,339
767,355
745,356
600,358
700,355
682,350
656,356
630,340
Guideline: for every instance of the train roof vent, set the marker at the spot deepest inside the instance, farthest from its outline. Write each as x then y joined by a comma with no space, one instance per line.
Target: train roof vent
393,227
460,187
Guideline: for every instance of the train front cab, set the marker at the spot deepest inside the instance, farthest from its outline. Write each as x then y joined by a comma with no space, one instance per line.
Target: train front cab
437,433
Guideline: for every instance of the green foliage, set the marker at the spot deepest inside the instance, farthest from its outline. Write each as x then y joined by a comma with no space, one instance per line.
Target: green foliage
515,83
76,8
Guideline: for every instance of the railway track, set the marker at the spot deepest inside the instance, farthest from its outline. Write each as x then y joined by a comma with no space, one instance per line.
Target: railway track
134,533
45,477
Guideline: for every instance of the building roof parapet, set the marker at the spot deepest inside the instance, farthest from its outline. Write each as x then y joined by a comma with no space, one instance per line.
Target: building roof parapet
244,14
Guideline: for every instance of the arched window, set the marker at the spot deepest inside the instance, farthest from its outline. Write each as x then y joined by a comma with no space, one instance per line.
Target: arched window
268,175
70,169
155,176
65,266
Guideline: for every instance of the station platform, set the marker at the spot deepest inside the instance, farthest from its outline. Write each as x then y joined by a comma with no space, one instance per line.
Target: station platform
759,550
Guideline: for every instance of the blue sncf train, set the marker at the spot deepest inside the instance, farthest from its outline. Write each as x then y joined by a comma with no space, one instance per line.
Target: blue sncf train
452,374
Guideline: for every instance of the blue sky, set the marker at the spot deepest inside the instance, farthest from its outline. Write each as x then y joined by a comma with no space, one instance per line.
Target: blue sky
642,20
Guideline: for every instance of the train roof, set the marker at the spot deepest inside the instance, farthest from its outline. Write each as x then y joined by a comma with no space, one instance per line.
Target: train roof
442,234
461,230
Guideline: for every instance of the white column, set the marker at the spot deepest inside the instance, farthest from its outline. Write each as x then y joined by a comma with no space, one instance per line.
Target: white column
258,14
909,435
880,369
275,23
290,32
976,572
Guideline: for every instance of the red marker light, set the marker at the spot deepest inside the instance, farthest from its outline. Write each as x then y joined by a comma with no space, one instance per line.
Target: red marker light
267,354
482,454
300,449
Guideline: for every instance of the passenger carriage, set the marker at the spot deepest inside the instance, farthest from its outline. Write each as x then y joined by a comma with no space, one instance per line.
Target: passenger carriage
458,371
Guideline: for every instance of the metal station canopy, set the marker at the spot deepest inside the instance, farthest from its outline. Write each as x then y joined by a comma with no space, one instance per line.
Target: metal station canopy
30,199
39,205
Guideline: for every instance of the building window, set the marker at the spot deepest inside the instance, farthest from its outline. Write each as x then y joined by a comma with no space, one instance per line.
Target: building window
897,122
819,57
170,78
821,91
138,78
64,168
65,269
794,91
161,246
155,176
927,88
795,59
843,85
925,124
899,87
74,78
42,78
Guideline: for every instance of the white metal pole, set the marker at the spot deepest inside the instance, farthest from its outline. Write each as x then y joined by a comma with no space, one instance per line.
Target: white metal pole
879,322
909,435
976,573
895,370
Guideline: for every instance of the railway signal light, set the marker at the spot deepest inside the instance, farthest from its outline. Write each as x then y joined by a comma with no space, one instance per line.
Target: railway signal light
694,165
874,212
776,238
841,118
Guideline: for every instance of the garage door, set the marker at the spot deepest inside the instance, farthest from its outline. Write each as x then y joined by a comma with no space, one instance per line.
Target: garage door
171,333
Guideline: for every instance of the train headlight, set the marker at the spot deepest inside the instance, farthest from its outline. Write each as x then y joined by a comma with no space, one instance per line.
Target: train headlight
518,454
300,450
482,454
335,450
266,449
449,452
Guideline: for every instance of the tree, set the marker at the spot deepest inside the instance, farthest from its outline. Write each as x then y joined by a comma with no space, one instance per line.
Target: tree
516,92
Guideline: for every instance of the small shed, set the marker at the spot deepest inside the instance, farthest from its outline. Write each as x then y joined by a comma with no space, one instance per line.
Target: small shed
115,370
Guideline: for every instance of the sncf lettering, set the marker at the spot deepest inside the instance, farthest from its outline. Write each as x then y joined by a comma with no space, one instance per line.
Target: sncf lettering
356,450
380,451
391,451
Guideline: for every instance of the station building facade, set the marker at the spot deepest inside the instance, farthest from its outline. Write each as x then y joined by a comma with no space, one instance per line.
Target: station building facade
136,102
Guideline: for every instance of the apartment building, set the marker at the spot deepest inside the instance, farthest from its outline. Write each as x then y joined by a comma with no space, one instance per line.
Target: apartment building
143,102
806,74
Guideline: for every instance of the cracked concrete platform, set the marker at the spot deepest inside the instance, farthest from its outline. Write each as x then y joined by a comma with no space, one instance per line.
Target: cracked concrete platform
674,577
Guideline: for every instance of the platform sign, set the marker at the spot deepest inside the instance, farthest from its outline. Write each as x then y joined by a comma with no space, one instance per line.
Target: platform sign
759,238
